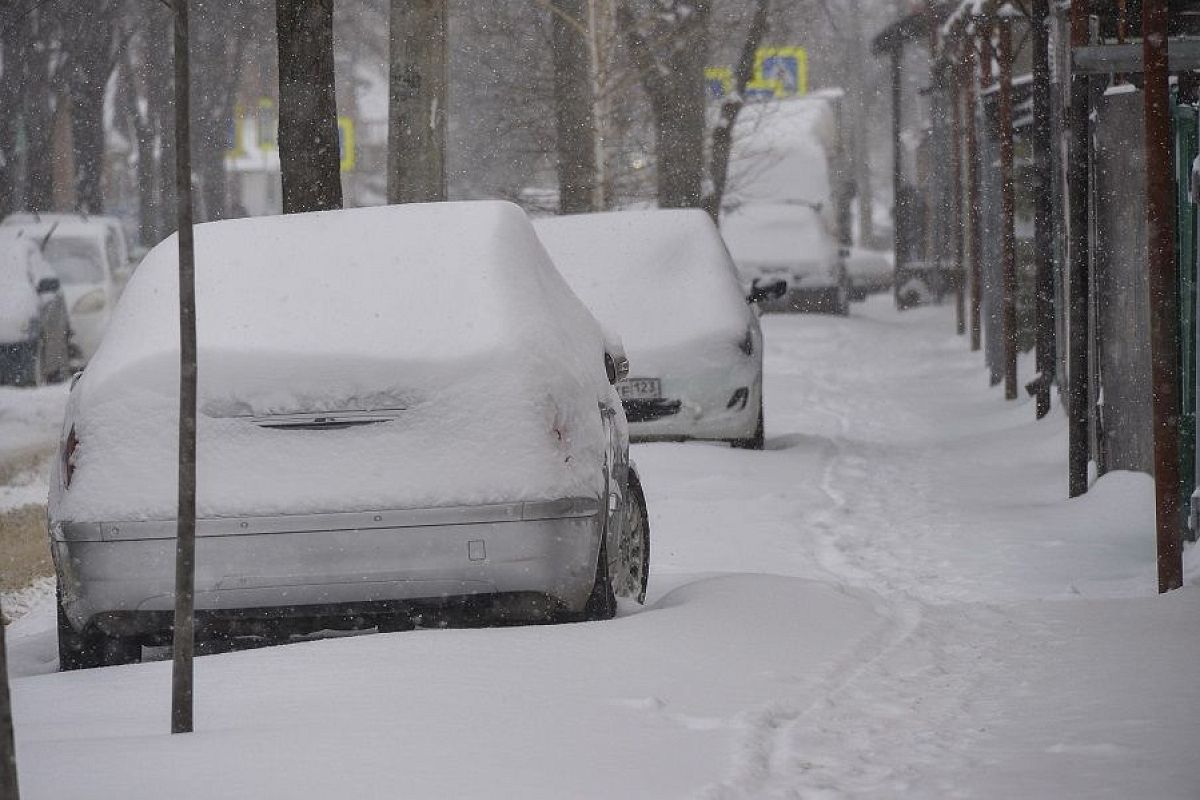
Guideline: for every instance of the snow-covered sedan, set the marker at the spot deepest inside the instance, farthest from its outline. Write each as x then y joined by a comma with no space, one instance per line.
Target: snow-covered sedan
788,241
86,258
403,411
663,281
34,332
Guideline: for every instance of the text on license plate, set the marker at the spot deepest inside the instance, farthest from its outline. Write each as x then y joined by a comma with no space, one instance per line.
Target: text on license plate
639,389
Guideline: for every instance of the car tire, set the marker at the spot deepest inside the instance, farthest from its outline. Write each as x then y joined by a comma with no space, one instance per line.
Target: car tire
91,648
758,440
633,559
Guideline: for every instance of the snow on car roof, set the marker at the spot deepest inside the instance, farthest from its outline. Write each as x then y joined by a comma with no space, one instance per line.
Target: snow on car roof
65,228
429,286
657,278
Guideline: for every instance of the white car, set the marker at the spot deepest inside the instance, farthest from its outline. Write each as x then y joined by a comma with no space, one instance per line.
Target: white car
34,331
403,412
86,258
788,241
870,271
663,281
116,239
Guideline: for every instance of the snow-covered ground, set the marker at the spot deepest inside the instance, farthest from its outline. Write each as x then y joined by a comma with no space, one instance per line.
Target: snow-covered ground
893,600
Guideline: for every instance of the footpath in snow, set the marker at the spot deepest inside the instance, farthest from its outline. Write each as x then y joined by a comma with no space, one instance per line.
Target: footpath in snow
893,600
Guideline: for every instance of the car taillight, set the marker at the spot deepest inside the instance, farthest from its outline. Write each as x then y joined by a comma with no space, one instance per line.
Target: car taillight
68,457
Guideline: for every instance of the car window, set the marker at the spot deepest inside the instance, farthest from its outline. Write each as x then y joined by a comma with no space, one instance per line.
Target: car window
76,260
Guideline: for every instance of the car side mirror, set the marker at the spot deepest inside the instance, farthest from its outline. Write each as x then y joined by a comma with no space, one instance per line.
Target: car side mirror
48,286
760,292
616,368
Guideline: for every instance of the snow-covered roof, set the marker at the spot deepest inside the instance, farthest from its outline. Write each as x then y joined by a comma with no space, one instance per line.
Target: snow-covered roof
657,278
776,235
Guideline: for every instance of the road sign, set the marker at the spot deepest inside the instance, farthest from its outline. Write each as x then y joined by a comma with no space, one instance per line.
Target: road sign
778,72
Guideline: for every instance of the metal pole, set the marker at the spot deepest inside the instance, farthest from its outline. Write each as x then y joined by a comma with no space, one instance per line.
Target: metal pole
974,213
9,787
1164,294
185,542
1004,123
900,217
1079,302
960,295
1043,234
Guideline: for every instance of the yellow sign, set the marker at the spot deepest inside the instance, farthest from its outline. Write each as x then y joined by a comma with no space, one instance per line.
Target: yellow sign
778,72
783,68
346,143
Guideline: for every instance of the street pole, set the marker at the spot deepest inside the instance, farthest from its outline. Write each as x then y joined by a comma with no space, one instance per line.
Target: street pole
1004,122
900,215
1078,335
1043,232
956,178
185,542
1164,294
974,214
9,787
416,168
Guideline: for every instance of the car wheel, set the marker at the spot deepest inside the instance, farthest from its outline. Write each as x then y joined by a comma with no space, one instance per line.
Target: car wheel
633,550
92,648
758,440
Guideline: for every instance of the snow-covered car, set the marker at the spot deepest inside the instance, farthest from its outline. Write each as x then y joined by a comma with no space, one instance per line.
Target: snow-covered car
121,255
86,258
662,280
870,271
403,411
34,332
788,241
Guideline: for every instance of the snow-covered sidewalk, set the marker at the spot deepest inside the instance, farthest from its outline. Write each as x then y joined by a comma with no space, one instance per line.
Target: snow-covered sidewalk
893,600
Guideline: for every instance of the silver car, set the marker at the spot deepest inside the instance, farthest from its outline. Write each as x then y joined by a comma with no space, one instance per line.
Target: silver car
387,436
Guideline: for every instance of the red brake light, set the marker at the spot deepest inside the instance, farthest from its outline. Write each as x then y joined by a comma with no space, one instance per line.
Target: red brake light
68,457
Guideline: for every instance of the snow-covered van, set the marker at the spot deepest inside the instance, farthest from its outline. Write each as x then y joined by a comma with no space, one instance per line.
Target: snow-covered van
663,281
401,410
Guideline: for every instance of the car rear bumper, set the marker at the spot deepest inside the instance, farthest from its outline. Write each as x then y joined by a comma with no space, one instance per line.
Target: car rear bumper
721,411
123,573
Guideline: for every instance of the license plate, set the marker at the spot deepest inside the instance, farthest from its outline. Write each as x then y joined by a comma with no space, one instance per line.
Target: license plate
639,389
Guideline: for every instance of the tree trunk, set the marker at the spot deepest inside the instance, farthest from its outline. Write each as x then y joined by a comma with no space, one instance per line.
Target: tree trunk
309,155
160,93
12,77
417,102
675,86
90,66
573,105
722,137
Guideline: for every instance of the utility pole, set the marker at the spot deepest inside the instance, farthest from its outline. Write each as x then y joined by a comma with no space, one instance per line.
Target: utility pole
1078,392
9,788
1164,294
417,102
185,542
1007,206
1043,232
900,200
954,94
974,215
